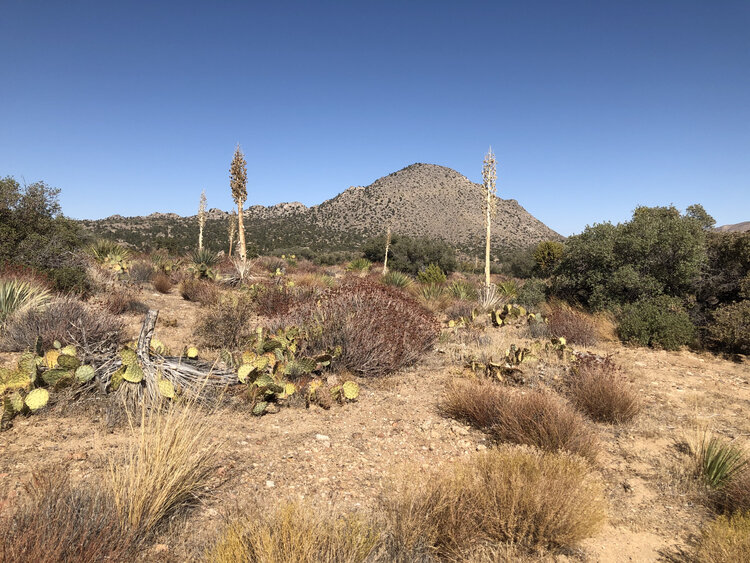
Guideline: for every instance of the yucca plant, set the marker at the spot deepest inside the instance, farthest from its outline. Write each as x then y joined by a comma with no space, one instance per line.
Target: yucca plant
361,265
397,279
488,297
203,262
16,295
718,460
104,249
462,289
508,288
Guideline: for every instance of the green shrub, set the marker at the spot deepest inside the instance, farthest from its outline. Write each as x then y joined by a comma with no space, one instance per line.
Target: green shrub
70,279
729,328
660,322
409,254
432,275
532,293
547,254
361,265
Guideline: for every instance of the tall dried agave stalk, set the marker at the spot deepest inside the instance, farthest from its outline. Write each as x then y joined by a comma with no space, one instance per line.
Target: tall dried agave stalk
232,231
201,219
238,183
489,177
387,246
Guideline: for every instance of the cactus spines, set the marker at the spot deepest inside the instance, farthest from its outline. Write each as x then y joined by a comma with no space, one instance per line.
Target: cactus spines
37,399
128,357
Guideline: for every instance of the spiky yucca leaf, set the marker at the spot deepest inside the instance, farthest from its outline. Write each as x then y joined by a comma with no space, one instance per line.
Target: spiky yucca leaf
16,295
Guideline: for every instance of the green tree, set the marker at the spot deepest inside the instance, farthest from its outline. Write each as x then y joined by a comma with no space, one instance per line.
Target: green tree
547,254
411,254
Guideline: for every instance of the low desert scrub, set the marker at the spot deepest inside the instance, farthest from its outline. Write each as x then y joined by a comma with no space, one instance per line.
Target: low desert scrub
226,322
725,540
117,300
431,296
273,299
17,295
295,533
463,289
199,291
514,495
735,494
597,387
530,417
161,282
65,319
576,326
379,329
168,466
56,521
140,271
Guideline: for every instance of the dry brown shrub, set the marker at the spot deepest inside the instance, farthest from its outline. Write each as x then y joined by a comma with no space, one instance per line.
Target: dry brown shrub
169,465
514,495
65,319
528,417
295,533
379,329
117,299
199,291
576,326
597,387
226,322
735,495
273,299
60,522
725,540
161,283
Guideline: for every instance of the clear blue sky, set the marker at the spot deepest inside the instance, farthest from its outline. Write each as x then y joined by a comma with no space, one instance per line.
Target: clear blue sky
592,107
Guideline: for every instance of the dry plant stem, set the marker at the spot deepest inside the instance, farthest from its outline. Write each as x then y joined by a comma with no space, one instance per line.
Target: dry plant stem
489,177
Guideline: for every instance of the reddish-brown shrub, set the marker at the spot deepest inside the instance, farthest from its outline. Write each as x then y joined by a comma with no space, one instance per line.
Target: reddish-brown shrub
117,300
226,323
378,328
576,326
526,417
598,388
65,319
19,272
199,291
161,282
273,300
60,522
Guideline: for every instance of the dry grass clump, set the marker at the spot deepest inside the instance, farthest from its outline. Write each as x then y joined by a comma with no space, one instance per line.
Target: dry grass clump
60,522
199,291
576,326
161,283
295,533
735,495
378,328
515,495
140,271
598,388
65,319
725,540
226,323
527,417
168,466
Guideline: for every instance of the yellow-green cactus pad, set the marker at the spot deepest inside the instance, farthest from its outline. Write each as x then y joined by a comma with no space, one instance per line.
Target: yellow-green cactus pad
166,388
37,399
192,352
133,374
129,357
248,357
260,408
50,358
69,350
68,362
157,346
117,378
16,401
351,390
290,389
84,373
244,372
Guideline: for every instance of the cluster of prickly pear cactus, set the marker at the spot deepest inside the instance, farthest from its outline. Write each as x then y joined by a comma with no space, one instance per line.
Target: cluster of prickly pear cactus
507,369
271,362
512,313
22,390
559,345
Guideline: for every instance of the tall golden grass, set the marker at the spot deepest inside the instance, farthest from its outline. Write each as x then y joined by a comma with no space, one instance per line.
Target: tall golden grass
168,466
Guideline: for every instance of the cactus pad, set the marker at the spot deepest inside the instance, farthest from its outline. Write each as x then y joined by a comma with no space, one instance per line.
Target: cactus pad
37,399
68,362
350,390
166,388
192,352
129,357
133,374
85,373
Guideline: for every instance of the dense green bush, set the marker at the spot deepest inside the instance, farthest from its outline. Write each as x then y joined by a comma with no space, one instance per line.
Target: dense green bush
33,232
532,293
409,254
660,322
546,255
432,274
516,262
659,251
729,328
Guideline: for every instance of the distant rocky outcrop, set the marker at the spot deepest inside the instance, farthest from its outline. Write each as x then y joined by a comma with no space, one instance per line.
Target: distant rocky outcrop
419,200
736,228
